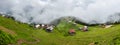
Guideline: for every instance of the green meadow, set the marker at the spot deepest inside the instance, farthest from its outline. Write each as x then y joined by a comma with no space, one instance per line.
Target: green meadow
23,34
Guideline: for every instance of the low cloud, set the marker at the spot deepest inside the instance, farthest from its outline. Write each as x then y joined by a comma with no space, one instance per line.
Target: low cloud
46,11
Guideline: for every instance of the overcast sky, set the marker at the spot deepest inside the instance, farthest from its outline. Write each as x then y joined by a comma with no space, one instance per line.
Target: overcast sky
45,11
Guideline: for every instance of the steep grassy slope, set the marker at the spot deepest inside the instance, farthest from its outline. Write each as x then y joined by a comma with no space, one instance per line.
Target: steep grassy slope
26,35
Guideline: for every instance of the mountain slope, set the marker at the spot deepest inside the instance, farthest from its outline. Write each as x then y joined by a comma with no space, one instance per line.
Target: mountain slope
26,35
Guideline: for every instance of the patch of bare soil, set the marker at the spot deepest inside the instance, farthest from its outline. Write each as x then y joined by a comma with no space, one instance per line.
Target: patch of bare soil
21,41
7,30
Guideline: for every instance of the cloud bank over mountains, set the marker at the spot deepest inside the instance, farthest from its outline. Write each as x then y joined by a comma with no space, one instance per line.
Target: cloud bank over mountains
46,11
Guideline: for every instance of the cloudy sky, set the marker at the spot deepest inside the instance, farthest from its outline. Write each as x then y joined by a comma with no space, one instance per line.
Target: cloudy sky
46,11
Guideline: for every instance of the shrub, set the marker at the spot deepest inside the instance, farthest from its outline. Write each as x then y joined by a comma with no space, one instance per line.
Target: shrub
6,38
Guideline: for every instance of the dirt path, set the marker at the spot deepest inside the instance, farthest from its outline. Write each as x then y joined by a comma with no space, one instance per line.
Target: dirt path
7,30
21,41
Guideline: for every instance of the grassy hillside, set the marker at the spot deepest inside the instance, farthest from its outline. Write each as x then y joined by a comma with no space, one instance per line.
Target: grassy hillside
26,35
